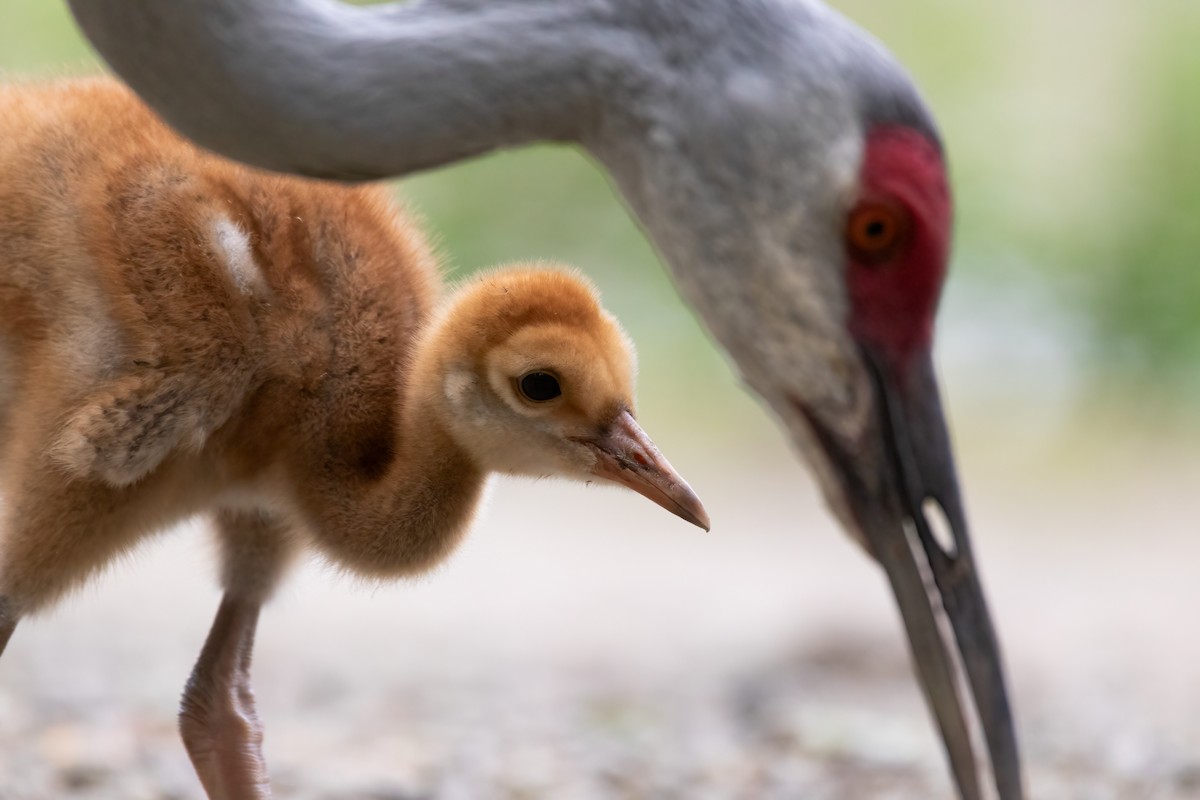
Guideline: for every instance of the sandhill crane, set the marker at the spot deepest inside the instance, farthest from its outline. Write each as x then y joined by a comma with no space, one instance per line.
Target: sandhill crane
781,161
182,334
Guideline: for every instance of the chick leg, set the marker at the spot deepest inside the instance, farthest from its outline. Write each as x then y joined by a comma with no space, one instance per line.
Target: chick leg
217,718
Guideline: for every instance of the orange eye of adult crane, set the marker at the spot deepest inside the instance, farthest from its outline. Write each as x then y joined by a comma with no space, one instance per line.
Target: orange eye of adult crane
874,230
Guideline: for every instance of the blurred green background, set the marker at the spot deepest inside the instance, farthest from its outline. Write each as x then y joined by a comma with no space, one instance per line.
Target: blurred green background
1074,135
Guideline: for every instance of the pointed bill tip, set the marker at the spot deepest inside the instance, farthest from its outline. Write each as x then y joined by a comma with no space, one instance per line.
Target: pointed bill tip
693,511
626,455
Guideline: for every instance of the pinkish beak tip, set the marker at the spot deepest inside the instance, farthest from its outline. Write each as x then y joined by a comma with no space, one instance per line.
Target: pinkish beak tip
627,456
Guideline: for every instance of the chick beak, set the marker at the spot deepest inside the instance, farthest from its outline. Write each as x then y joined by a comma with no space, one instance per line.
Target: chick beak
625,455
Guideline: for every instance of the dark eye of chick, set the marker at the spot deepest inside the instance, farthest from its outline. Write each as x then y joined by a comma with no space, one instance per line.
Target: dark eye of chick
540,386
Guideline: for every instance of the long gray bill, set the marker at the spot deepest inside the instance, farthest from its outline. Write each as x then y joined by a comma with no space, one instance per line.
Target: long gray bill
919,449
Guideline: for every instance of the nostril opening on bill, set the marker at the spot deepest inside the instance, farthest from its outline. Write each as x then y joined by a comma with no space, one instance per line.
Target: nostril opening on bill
939,526
640,459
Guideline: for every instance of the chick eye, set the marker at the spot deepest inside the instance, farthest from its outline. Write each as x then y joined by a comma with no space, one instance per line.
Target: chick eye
539,386
874,230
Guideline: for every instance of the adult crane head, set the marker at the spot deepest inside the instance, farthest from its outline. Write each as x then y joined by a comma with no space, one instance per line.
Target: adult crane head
781,161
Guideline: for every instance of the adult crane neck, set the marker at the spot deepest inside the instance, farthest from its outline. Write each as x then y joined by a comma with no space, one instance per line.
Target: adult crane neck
323,88
328,89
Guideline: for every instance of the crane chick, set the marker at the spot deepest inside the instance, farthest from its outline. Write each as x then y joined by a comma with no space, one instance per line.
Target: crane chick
183,335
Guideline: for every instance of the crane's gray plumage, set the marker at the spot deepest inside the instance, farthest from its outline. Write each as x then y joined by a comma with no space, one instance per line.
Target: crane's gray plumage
736,133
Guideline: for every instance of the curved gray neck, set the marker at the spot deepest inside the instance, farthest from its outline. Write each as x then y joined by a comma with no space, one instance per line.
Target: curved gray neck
362,92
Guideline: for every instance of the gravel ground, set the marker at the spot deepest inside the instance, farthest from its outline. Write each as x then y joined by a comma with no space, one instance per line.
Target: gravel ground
623,655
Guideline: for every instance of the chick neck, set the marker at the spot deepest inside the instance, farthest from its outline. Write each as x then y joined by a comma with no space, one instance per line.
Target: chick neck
412,515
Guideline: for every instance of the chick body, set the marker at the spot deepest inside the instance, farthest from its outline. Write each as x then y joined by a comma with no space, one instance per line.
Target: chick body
181,335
